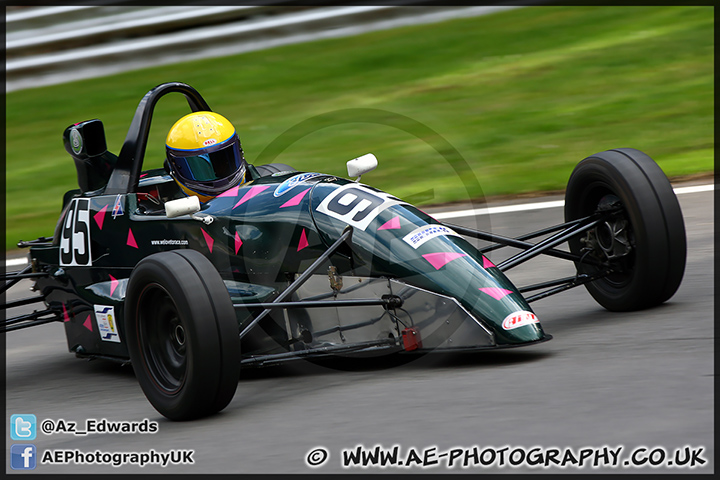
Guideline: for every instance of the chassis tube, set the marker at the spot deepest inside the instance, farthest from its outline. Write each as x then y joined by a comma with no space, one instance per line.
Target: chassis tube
302,278
518,243
390,302
547,244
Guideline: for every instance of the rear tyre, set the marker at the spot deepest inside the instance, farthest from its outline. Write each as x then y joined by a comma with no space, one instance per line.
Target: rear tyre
270,168
644,244
182,334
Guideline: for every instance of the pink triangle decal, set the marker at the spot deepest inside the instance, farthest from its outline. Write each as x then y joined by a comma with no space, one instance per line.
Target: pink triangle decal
251,193
238,243
295,200
392,224
88,323
208,239
233,192
66,317
100,217
113,284
131,239
496,292
440,259
487,263
303,241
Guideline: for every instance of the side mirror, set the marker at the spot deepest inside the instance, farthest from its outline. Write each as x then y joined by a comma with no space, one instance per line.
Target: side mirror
85,142
361,165
182,206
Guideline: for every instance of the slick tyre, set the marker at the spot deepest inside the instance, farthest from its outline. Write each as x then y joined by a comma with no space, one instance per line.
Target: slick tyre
270,168
182,334
648,232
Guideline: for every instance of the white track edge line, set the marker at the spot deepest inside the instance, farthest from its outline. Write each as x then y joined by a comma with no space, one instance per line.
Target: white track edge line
483,211
542,205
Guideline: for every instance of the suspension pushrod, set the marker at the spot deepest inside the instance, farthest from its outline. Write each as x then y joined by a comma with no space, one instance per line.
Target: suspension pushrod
546,245
18,276
581,279
301,279
550,283
514,242
261,359
42,241
14,278
393,302
26,325
534,234
30,316
24,301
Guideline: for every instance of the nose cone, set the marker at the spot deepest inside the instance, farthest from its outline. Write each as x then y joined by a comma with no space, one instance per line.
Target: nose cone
455,268
396,240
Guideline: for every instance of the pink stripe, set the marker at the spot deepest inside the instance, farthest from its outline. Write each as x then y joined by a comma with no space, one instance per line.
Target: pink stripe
251,193
392,224
100,216
208,239
440,259
88,323
487,263
295,200
238,243
131,239
303,241
233,192
495,292
113,284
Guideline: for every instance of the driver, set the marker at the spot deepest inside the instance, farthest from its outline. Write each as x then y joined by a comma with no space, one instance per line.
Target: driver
204,155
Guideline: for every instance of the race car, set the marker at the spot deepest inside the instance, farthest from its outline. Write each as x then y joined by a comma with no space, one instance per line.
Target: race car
293,265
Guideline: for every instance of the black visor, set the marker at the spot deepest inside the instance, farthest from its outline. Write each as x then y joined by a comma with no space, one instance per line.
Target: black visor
209,170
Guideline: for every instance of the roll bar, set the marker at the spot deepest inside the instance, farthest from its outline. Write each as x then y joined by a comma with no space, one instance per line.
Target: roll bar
125,175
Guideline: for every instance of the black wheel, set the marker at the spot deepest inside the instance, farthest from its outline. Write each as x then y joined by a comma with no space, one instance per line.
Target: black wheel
644,243
182,334
270,168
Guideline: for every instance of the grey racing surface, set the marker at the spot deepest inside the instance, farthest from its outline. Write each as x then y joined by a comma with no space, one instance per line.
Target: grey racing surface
638,381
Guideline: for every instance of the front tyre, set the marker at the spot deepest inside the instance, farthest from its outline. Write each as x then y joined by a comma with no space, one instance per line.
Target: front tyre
644,243
182,334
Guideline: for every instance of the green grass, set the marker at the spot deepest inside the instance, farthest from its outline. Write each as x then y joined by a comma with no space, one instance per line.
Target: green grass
522,96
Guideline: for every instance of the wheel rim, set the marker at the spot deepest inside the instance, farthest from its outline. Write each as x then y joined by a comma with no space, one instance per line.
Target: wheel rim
609,238
162,338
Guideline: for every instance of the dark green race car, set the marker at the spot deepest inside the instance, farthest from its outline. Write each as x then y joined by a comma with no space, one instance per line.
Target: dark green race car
297,265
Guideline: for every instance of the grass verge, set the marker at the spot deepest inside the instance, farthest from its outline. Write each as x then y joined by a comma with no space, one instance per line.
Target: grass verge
521,96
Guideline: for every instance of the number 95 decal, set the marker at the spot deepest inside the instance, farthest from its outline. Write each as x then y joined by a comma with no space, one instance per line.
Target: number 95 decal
75,238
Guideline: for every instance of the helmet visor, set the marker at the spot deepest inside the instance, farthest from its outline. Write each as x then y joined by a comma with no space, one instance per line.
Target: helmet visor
209,170
207,167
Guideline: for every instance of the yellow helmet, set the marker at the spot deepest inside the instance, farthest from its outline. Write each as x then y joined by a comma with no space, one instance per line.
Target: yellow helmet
205,155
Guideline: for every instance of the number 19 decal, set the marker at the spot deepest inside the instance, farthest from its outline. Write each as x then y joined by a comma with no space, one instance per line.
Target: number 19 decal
75,239
356,204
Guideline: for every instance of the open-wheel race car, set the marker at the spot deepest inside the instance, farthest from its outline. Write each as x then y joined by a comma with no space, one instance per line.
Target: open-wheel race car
293,265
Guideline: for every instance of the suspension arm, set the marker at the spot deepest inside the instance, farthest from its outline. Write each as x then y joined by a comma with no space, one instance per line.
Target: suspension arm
20,303
503,241
389,302
13,278
528,236
550,242
301,279
29,320
565,284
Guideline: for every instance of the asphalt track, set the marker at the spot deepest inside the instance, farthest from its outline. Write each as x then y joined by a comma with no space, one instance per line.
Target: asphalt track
616,380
